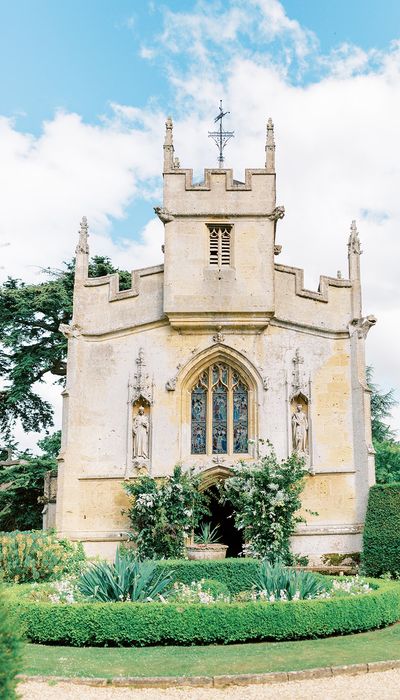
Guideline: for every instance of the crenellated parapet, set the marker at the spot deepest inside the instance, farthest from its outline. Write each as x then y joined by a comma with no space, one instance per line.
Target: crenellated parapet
327,309
322,294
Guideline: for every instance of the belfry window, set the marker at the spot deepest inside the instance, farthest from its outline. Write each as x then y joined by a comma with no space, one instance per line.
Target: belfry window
219,412
220,245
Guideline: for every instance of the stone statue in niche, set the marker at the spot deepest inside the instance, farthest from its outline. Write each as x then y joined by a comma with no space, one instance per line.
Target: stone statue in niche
300,430
140,432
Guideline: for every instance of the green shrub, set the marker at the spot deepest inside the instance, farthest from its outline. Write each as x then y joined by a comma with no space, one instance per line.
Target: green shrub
127,624
215,588
128,579
381,546
164,512
278,582
10,652
266,500
37,555
236,574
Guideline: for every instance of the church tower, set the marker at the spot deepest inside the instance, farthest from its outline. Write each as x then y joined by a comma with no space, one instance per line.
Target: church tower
219,244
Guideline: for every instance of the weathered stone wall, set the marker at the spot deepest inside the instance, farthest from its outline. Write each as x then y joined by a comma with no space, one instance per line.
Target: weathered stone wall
146,346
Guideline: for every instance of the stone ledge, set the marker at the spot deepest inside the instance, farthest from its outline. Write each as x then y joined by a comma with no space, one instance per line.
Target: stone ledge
223,680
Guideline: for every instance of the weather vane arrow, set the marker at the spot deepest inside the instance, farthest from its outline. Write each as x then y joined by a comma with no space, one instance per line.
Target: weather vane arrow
221,137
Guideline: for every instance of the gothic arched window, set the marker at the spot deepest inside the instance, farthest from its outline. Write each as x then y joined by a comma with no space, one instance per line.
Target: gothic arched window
219,412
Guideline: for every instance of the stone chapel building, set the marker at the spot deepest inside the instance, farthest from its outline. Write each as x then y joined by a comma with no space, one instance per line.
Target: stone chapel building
206,354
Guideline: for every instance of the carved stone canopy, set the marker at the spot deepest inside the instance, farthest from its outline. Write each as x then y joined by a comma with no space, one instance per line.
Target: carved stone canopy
141,387
299,384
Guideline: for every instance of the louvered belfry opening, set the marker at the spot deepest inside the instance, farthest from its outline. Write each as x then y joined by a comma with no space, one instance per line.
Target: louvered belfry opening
220,245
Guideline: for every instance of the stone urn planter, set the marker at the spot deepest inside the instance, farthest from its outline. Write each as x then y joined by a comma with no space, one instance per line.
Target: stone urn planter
206,551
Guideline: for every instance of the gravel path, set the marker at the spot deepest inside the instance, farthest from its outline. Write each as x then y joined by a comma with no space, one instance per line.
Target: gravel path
383,685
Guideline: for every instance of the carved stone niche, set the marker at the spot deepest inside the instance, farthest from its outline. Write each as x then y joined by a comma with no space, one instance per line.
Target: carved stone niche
141,437
140,400
300,425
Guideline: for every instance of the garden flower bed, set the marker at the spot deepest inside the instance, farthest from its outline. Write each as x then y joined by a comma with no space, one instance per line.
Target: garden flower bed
186,623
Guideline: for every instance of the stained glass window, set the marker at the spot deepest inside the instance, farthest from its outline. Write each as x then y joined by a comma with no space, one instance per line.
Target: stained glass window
240,415
219,412
199,415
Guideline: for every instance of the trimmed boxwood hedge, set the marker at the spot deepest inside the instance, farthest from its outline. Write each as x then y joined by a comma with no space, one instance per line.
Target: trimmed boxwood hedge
146,624
381,548
237,574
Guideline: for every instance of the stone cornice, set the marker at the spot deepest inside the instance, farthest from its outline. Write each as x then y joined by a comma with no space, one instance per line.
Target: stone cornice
334,529
308,328
125,330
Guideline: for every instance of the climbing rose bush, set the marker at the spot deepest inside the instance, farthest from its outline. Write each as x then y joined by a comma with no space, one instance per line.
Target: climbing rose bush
164,513
265,496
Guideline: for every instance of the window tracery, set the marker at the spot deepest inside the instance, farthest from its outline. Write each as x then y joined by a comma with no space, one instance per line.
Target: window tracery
219,412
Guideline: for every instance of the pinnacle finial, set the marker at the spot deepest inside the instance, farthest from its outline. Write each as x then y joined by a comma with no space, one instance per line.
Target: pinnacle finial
354,245
168,146
270,147
83,246
168,132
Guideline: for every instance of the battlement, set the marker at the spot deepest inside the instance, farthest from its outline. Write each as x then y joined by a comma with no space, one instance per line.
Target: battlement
219,194
212,177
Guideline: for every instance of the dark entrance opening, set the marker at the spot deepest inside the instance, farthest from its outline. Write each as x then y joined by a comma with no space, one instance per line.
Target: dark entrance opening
222,516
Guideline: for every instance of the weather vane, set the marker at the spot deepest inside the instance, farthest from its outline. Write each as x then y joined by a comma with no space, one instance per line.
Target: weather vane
221,137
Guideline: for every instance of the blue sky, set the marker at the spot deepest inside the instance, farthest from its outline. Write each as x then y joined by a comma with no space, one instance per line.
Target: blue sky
80,55
85,86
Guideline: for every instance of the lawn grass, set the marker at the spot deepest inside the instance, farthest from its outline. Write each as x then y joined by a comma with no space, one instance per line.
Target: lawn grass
262,657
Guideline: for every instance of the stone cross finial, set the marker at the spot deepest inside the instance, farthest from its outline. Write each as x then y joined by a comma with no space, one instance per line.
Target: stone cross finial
270,147
83,246
354,245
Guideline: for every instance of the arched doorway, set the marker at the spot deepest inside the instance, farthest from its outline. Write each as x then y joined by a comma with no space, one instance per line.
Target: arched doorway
222,516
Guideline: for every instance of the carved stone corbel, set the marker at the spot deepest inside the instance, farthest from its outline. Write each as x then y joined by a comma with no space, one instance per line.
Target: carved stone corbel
170,384
164,215
70,330
218,337
362,325
277,213
265,380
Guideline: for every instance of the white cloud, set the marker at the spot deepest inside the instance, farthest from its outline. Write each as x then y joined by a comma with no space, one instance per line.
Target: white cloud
146,53
338,154
72,168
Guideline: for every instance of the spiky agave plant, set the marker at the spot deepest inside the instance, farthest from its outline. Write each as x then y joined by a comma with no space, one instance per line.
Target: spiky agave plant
207,535
127,579
278,582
